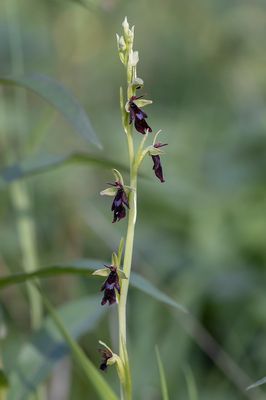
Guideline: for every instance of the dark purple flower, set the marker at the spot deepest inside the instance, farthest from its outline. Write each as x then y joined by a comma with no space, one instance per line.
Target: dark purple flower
109,286
119,201
157,166
138,116
106,354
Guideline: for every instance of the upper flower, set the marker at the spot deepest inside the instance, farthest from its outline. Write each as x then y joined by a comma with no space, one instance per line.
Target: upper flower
110,285
138,116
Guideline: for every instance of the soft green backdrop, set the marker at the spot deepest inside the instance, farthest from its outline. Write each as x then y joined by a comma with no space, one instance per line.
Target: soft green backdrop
201,235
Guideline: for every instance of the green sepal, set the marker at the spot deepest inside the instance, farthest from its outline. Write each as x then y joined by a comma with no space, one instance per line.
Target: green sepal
118,177
101,272
154,151
142,102
111,191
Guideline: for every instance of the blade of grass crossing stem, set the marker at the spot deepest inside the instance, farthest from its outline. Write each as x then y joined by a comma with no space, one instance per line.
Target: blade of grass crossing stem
260,382
164,388
191,384
104,391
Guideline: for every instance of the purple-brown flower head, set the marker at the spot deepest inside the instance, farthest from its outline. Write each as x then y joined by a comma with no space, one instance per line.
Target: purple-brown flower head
110,285
157,166
106,355
138,116
119,203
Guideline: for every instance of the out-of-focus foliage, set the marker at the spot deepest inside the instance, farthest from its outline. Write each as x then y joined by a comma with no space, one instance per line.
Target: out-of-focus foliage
201,235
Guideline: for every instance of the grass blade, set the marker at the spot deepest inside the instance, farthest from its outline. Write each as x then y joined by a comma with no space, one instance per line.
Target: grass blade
260,382
60,98
47,163
83,267
104,391
191,384
164,389
46,347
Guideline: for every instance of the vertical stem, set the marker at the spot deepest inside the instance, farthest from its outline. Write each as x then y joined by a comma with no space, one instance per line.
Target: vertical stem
132,216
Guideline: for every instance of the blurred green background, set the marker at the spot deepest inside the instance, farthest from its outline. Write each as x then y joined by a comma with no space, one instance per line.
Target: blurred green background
200,236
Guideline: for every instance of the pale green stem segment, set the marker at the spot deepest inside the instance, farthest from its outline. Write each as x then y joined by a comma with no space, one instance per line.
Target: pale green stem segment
126,390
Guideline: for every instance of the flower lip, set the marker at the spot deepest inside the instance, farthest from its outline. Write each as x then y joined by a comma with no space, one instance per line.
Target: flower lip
157,166
110,285
119,202
137,115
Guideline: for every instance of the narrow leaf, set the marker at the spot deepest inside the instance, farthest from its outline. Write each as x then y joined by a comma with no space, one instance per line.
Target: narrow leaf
60,98
164,389
191,384
92,373
260,382
51,162
147,287
82,267
40,354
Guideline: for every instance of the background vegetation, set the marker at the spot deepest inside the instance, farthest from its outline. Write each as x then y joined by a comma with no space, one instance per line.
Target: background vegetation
200,236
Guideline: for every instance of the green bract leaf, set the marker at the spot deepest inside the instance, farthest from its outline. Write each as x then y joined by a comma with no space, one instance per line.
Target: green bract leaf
60,98
114,259
46,347
47,163
164,389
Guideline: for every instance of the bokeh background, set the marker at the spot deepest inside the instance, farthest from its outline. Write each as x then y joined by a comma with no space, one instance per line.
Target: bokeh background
200,236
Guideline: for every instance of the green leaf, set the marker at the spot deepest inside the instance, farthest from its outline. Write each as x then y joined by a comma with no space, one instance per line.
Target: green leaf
260,382
164,389
48,162
92,373
60,98
147,287
38,356
82,267
191,384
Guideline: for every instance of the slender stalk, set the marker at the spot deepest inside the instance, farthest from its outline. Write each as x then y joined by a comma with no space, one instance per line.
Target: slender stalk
126,392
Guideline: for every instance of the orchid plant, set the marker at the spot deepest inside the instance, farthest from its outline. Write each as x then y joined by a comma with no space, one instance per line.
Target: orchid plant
115,286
